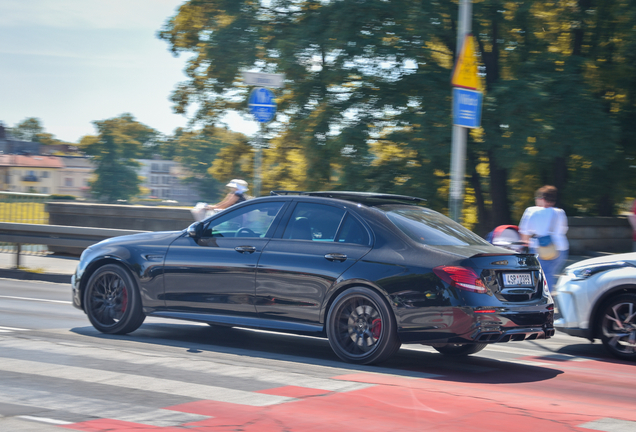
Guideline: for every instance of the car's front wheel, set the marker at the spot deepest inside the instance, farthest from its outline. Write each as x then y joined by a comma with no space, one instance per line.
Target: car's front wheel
361,327
112,301
459,350
618,326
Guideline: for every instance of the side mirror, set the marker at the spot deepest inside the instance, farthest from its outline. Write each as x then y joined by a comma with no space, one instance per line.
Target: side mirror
193,229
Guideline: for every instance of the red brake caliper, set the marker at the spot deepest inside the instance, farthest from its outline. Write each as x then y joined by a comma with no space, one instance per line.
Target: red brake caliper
376,328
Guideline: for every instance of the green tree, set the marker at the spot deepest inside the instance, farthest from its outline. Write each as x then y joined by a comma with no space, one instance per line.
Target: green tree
366,104
28,129
119,142
31,129
356,76
198,150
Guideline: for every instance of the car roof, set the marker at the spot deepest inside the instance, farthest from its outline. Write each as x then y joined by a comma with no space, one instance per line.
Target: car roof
369,199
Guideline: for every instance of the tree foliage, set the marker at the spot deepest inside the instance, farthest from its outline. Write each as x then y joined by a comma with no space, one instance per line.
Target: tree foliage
209,156
119,142
31,129
366,104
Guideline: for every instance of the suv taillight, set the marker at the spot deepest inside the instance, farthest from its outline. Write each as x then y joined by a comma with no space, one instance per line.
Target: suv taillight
461,277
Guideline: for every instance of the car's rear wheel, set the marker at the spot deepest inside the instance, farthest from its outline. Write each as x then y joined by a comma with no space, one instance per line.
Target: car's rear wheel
361,327
618,326
112,301
459,350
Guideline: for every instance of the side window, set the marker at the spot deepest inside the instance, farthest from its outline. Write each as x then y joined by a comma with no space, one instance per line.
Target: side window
315,222
250,221
352,231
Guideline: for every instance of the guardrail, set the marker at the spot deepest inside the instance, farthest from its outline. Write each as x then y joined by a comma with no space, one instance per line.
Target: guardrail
55,235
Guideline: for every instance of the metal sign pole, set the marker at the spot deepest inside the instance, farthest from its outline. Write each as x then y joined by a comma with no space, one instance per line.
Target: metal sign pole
458,152
257,160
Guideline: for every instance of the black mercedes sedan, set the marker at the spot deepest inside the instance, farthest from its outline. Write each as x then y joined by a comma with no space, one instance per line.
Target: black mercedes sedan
368,271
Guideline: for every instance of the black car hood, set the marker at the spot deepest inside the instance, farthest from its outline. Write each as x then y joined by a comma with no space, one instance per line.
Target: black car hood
147,237
472,250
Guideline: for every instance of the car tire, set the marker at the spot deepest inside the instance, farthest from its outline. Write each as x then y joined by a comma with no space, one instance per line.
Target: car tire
617,321
361,327
459,350
112,301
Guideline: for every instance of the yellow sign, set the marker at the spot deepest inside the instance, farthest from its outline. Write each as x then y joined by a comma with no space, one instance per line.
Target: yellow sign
465,73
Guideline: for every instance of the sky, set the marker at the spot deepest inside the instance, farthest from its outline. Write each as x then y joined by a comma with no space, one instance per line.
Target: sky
71,62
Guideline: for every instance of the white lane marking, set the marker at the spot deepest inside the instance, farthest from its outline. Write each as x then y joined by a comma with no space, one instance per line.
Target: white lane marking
36,299
212,369
45,420
139,382
96,407
610,425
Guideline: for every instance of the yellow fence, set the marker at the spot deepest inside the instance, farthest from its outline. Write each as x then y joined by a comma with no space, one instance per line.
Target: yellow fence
23,208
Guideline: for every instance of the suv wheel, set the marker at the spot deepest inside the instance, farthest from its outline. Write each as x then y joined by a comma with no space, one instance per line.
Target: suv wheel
617,322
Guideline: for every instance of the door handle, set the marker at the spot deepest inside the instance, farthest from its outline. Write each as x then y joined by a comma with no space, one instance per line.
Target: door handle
243,249
336,257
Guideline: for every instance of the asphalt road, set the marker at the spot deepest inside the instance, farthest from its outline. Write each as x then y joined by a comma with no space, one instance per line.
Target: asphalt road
57,372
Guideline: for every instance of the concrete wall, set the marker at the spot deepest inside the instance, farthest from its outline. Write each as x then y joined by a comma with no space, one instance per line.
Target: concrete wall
132,217
599,234
586,234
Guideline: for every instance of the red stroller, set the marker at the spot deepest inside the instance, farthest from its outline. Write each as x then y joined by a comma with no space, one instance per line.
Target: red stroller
507,236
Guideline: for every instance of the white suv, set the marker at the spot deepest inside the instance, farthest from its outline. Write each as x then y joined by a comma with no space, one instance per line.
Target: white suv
596,298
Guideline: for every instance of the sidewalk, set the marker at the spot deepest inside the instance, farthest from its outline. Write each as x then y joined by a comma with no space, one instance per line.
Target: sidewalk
50,268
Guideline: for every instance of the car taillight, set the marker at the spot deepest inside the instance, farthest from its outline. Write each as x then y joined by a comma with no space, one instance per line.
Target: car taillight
461,277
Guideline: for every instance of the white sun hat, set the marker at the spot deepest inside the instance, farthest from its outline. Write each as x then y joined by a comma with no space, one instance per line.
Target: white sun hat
239,184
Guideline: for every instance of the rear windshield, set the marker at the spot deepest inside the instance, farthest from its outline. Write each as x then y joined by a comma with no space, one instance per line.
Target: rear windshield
430,227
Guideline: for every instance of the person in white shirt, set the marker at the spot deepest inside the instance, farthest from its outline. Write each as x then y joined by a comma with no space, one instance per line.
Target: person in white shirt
545,219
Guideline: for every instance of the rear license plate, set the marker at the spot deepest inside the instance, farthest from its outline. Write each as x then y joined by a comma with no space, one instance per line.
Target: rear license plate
517,280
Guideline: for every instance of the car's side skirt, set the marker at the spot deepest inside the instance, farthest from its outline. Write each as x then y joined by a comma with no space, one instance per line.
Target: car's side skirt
238,321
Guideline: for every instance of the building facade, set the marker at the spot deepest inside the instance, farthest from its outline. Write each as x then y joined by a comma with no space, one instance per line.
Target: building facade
75,176
33,174
164,179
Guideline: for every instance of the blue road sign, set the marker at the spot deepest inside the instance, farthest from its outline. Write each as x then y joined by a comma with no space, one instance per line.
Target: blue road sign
262,105
466,108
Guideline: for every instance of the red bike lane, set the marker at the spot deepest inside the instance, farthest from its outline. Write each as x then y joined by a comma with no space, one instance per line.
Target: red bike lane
536,393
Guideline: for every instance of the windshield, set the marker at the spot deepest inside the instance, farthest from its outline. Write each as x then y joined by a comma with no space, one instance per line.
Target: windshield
430,227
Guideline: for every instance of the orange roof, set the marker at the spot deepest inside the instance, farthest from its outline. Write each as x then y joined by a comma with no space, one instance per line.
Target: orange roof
35,161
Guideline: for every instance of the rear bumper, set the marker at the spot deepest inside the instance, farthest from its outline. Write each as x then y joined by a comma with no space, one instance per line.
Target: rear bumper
463,325
518,334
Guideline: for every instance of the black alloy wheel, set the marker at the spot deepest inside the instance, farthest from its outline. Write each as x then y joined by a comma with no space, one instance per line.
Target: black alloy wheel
112,301
459,350
361,327
618,326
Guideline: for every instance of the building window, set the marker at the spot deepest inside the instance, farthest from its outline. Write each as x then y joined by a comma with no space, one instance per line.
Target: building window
165,180
45,174
154,167
153,180
68,182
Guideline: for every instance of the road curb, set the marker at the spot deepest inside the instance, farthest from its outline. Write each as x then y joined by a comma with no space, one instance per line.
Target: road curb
27,275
